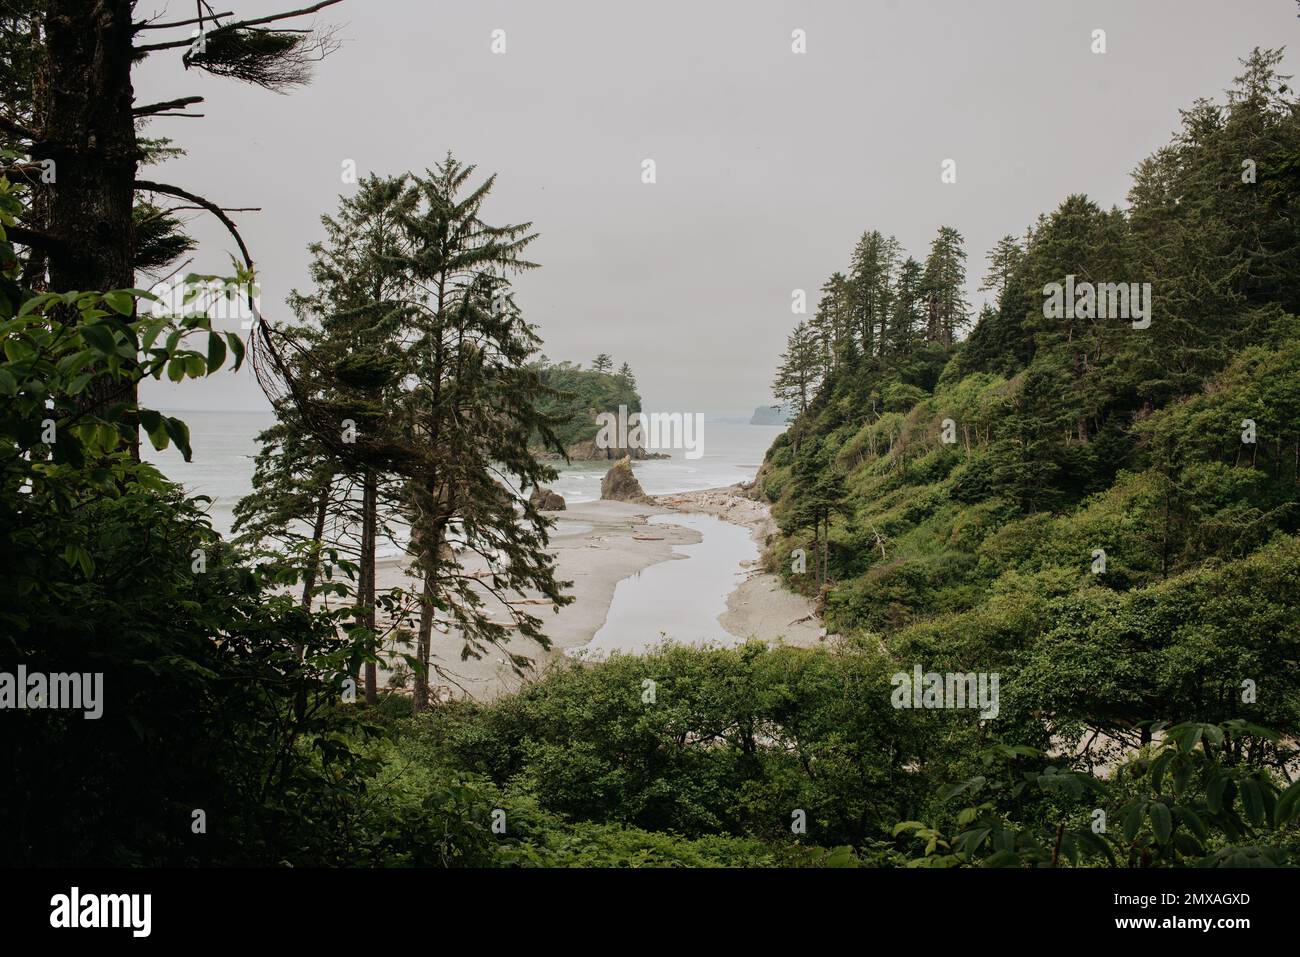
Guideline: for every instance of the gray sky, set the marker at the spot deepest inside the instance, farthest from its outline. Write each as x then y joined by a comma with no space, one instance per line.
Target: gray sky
770,164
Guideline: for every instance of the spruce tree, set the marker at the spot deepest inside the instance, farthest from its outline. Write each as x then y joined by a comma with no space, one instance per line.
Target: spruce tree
351,361
471,412
906,317
799,371
1002,259
943,284
870,276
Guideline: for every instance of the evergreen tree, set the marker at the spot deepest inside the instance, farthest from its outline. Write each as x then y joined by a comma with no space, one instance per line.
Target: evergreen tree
906,319
832,323
358,311
295,493
943,282
819,495
871,273
1003,259
472,411
799,371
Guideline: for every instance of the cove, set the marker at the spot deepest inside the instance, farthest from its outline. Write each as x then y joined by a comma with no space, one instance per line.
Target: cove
679,599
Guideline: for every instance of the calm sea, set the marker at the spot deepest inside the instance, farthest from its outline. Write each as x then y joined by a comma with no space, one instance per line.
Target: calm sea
224,444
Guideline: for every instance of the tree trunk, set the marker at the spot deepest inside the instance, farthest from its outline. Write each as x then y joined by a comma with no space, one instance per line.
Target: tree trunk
420,699
89,132
313,563
308,583
826,550
369,508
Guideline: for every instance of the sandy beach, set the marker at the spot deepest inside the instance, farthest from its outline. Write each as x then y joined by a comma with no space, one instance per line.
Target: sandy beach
597,545
760,607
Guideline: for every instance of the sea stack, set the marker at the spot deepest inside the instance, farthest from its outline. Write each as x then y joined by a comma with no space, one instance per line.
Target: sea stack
545,500
620,485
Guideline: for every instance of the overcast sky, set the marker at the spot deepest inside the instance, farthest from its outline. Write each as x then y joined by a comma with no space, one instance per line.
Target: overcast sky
770,164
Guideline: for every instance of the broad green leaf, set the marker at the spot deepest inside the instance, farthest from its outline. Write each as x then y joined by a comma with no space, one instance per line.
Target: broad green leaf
216,352
237,347
120,301
180,434
1161,821
100,339
1287,804
1214,791
1252,802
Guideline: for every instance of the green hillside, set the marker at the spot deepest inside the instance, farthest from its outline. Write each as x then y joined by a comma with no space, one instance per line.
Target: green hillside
1104,514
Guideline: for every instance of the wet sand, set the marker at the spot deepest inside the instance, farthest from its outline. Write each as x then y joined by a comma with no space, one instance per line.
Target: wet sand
598,544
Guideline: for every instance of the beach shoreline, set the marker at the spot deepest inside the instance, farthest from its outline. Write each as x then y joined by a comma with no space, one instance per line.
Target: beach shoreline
596,545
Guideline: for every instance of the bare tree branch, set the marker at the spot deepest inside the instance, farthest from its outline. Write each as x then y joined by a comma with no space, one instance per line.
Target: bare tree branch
16,128
33,238
237,25
167,105
149,25
211,207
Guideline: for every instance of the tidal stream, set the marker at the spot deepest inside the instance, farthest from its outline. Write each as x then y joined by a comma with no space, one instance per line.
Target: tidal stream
679,599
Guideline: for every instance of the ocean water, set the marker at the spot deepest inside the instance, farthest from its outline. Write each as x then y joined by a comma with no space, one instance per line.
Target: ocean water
225,443
223,446
732,452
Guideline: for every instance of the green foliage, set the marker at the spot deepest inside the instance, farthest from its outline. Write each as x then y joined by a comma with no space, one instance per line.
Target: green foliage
1106,515
574,396
734,741
1190,801
219,694
106,568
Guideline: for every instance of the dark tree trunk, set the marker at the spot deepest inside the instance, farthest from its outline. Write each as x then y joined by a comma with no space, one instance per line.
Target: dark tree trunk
309,583
89,132
369,508
423,649
313,563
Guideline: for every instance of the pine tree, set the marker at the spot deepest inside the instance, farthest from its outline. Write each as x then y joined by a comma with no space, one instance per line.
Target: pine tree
943,284
602,363
295,487
358,310
1003,259
798,373
906,318
870,275
832,323
471,412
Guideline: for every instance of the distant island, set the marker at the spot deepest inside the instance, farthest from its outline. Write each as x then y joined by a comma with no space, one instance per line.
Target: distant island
770,415
577,396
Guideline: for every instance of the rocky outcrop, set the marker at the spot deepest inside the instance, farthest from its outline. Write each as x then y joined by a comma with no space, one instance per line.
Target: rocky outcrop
589,451
620,485
545,500
770,415
755,489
